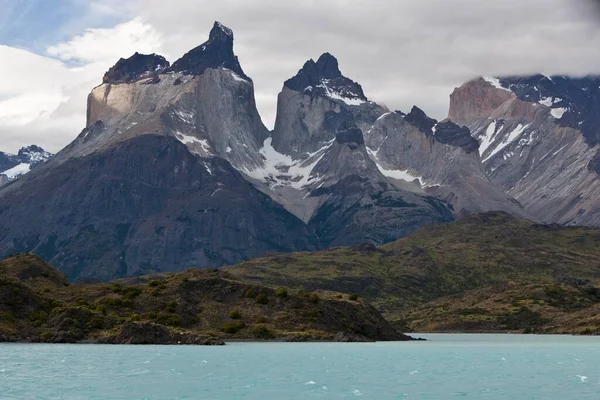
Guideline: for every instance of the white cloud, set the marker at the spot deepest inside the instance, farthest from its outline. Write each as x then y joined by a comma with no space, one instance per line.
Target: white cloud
403,52
100,45
43,99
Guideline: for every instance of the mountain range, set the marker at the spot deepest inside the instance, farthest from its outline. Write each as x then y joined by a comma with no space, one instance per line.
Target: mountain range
175,168
12,166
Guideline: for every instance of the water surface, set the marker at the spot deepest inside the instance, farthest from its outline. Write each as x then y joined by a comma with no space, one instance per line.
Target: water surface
445,367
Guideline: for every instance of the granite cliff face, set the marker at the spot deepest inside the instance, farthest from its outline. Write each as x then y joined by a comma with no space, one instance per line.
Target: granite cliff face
175,168
538,141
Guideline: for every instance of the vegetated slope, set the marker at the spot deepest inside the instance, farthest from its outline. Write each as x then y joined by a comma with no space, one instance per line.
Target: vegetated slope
473,253
192,307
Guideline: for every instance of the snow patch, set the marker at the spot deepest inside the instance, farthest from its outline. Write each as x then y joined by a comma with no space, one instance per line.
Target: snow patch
508,139
495,82
186,139
488,138
186,117
17,171
281,170
236,77
383,116
550,101
558,112
332,94
228,149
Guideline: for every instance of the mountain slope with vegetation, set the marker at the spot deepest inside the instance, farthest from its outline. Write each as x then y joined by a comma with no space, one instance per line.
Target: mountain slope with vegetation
476,253
193,307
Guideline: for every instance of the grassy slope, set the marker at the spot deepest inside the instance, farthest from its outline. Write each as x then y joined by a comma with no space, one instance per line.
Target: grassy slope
438,261
36,302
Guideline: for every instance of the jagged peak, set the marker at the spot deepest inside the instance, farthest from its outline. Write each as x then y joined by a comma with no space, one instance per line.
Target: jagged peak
136,67
420,120
220,31
216,52
324,78
574,101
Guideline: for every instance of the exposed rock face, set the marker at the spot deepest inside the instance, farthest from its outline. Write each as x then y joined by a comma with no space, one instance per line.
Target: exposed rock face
13,166
416,152
216,53
136,67
537,141
143,206
175,168
149,333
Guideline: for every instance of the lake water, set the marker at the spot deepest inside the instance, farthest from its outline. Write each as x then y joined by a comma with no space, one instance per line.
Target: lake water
445,367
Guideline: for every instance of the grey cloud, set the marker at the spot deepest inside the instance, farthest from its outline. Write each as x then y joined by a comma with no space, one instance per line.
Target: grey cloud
403,52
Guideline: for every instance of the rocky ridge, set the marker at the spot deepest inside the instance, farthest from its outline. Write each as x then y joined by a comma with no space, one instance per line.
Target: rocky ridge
538,141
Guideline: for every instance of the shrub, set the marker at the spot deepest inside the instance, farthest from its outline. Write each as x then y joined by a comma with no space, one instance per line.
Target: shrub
172,306
261,319
113,302
82,303
281,292
97,322
155,292
168,319
101,308
339,296
353,297
314,298
250,293
135,317
132,292
262,299
313,313
234,314
262,332
154,283
117,288
233,326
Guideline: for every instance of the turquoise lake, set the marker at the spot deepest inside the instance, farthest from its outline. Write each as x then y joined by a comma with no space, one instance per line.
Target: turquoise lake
445,367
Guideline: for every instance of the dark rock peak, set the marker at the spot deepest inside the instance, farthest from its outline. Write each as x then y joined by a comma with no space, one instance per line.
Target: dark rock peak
417,118
217,52
28,150
580,97
351,134
448,132
32,155
324,78
220,32
134,68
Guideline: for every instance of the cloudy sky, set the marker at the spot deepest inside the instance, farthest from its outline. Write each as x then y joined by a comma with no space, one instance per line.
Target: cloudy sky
403,52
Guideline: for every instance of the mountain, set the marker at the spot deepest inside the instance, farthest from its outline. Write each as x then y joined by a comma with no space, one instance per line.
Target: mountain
38,304
13,166
520,274
142,189
439,159
539,141
176,169
318,167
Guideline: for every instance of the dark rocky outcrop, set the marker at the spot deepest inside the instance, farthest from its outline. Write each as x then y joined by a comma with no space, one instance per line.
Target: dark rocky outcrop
151,333
448,132
322,77
217,52
134,68
580,97
420,120
146,205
